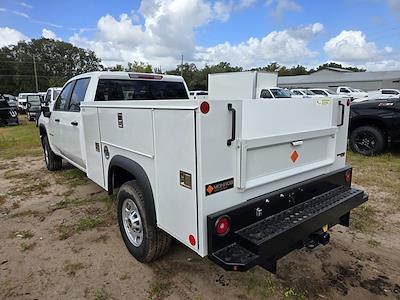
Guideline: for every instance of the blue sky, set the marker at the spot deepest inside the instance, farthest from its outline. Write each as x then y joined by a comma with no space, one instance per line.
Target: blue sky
249,33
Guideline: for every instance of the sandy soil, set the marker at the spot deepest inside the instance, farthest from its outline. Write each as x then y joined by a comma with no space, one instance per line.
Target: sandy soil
61,241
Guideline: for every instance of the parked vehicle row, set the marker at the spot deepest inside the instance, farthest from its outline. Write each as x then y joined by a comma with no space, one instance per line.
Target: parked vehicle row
8,113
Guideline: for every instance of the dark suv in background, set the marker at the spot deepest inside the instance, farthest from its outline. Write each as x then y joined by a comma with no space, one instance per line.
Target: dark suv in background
373,124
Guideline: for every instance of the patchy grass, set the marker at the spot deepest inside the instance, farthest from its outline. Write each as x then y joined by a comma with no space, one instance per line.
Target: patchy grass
35,187
27,246
26,213
159,290
73,202
18,175
84,224
373,243
102,238
21,140
100,294
364,219
72,268
290,293
381,172
15,205
72,177
24,234
264,286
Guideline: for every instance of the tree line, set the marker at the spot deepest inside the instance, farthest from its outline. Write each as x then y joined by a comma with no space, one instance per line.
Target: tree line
56,61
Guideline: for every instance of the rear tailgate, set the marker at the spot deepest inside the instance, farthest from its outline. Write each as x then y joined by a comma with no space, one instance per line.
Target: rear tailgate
300,136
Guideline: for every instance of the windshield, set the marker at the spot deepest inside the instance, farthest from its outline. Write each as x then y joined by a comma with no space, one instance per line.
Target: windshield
280,93
331,92
23,97
55,94
308,92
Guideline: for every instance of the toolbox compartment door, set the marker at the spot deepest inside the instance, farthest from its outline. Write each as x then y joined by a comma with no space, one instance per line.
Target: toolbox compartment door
176,178
284,138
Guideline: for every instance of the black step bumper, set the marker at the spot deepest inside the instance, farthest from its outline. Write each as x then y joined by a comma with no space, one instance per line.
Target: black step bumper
273,236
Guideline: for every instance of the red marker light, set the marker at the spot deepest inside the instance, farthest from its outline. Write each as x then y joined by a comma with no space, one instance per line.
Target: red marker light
222,225
348,176
204,107
192,240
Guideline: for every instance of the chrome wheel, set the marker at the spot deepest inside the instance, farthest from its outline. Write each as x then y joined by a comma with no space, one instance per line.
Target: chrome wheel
132,222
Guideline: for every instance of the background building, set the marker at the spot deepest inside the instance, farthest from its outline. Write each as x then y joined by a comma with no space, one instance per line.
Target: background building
334,77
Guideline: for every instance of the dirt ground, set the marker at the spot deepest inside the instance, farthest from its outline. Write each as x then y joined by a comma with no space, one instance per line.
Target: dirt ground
59,240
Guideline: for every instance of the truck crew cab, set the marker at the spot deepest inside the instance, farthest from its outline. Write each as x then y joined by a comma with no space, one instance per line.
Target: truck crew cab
242,181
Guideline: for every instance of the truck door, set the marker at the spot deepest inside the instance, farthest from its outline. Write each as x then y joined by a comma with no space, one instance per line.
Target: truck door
56,116
71,124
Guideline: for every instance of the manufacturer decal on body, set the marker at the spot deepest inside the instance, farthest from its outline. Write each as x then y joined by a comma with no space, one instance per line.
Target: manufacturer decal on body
219,186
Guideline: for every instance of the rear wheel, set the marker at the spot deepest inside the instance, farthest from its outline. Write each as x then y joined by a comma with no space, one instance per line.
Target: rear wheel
144,240
53,161
367,140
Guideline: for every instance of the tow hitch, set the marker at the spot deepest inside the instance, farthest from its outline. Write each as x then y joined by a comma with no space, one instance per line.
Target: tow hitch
317,238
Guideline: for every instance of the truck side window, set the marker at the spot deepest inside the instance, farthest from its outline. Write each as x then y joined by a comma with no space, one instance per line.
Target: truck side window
121,89
265,94
48,97
343,90
78,94
64,96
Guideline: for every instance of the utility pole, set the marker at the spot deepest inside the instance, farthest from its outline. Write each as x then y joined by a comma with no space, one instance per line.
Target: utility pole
182,65
34,69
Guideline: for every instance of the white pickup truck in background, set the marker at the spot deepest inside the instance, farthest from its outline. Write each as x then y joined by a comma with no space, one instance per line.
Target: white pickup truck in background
236,178
353,93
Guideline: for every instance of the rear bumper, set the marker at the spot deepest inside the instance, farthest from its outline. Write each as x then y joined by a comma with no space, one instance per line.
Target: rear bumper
264,240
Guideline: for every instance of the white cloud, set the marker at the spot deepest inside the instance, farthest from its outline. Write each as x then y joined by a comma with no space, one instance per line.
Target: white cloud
223,9
48,34
24,4
352,46
286,47
283,6
9,36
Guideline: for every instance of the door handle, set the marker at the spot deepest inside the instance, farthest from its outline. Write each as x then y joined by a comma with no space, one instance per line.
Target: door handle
342,114
74,123
57,120
233,134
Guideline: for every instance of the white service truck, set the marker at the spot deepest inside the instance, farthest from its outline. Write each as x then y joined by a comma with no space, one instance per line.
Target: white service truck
241,181
353,93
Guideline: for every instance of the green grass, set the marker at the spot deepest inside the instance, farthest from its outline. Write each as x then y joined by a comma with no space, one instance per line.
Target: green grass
72,268
100,294
72,177
84,224
373,243
27,246
23,234
265,286
158,290
21,140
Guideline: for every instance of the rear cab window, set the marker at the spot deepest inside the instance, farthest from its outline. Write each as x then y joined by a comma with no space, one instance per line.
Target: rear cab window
126,89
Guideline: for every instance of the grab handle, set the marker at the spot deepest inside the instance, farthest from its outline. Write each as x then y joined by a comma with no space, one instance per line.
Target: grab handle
342,115
233,135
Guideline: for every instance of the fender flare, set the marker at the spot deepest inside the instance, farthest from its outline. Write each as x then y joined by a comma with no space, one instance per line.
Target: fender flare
141,178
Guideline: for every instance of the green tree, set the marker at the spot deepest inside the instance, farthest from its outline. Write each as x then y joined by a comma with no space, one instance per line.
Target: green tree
140,67
56,62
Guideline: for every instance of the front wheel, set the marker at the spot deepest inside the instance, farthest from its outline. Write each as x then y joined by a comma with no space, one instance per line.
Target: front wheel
144,240
53,161
367,140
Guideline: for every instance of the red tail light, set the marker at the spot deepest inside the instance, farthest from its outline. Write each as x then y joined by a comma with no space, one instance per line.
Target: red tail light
204,107
348,176
222,225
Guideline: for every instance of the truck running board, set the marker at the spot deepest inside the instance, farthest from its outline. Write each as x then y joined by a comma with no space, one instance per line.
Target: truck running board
265,241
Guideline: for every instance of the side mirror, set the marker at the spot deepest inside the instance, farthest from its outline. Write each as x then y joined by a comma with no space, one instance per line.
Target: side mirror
46,111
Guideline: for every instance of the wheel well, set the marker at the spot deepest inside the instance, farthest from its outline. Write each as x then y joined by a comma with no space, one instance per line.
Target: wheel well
120,176
42,131
368,122
121,170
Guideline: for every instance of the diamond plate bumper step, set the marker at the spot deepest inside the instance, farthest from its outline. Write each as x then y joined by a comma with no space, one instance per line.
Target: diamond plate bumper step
263,242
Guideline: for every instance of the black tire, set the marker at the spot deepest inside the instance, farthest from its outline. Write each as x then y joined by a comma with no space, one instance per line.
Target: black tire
368,140
53,162
154,242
